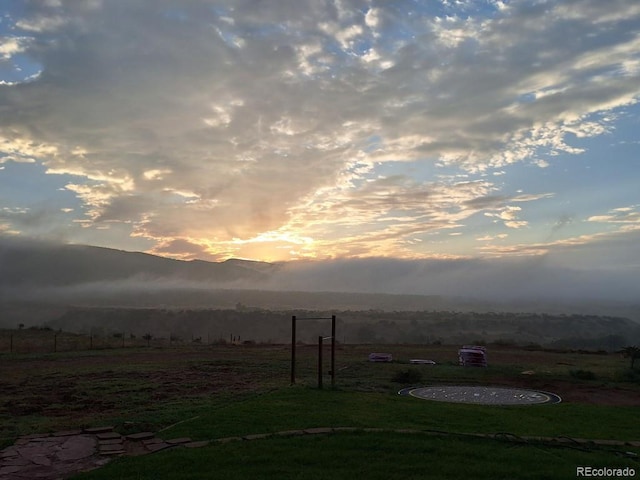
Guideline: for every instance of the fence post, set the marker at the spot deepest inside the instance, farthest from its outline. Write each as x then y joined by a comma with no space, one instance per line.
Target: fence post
293,350
333,351
55,342
320,362
11,344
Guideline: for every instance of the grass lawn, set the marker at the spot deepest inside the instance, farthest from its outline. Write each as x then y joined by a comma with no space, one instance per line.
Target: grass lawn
382,454
385,455
303,407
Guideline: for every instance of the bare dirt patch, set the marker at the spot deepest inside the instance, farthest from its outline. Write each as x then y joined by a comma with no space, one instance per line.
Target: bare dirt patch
69,390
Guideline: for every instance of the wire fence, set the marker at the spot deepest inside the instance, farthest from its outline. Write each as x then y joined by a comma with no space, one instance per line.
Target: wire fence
43,340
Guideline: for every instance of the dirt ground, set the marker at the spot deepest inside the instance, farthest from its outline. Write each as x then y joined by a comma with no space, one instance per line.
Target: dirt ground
62,391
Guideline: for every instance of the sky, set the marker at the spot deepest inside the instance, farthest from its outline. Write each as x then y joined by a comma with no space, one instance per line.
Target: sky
462,131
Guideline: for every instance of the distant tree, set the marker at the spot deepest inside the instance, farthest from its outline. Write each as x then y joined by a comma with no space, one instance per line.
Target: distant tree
20,326
147,337
632,352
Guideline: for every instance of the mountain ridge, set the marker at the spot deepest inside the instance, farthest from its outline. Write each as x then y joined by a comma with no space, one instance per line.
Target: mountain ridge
40,265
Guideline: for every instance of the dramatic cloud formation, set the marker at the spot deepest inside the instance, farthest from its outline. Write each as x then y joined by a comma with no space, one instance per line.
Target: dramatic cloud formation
296,129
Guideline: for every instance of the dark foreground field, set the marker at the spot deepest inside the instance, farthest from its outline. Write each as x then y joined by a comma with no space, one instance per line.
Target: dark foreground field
212,392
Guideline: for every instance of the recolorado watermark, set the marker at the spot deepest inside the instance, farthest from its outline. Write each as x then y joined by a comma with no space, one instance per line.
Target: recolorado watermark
605,472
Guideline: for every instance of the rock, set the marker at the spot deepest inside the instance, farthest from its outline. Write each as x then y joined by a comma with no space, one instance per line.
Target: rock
228,439
95,430
315,431
153,440
112,452
75,448
178,441
156,447
41,460
110,448
16,462
9,452
290,433
112,441
203,443
257,436
67,433
9,470
140,436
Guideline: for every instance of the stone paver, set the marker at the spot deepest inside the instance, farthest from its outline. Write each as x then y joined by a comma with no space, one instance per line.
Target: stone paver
111,441
140,436
316,431
290,433
200,444
156,447
96,430
178,441
65,453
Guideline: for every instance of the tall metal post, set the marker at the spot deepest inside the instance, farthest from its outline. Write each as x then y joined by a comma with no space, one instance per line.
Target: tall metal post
333,351
293,350
320,362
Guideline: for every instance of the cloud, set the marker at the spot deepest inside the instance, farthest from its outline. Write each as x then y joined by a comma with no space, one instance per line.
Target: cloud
215,124
509,215
9,46
623,215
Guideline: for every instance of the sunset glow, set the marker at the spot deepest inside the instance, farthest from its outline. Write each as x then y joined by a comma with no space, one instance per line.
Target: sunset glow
320,130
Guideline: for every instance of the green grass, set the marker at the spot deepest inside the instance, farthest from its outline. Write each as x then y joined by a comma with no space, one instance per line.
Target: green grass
381,455
299,407
362,455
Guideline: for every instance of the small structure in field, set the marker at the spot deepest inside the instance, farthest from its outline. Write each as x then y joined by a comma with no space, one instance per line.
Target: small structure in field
421,361
472,356
380,357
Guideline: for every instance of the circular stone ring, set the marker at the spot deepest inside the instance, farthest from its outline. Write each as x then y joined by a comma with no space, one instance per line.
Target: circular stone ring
482,395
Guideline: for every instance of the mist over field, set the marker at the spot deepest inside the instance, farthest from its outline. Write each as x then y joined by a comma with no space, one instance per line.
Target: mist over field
100,291
75,274
32,269
497,279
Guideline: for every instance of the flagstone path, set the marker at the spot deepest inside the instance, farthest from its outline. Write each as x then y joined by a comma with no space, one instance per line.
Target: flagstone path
60,455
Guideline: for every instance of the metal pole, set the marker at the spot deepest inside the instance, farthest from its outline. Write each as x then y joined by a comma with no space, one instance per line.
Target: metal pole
293,350
320,362
333,351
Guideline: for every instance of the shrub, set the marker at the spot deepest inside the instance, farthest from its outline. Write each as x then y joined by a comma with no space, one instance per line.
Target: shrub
629,375
409,376
583,374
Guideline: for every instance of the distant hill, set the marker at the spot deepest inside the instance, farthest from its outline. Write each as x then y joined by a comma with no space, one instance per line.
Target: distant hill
44,265
36,279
